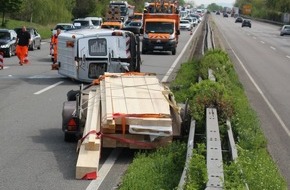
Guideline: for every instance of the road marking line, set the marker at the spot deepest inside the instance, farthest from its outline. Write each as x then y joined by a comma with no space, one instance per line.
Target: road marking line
48,88
260,91
262,42
106,167
273,48
288,56
171,69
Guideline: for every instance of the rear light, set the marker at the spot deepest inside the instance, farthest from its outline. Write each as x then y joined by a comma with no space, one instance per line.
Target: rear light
117,34
72,125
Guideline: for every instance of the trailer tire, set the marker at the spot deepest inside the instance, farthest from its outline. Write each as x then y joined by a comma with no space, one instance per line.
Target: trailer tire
69,137
186,118
71,95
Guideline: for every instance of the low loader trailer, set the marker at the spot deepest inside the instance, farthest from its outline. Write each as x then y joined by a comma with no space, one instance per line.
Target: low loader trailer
131,110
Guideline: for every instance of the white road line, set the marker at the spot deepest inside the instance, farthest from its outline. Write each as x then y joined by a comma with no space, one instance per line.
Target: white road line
273,48
288,56
48,88
106,167
262,42
260,92
171,69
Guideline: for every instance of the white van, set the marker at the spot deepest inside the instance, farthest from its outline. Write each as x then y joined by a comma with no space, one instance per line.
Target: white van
96,21
83,23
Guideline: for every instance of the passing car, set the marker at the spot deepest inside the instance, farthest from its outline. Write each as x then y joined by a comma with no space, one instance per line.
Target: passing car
226,15
246,23
239,19
192,20
63,27
134,26
285,30
35,38
8,42
185,25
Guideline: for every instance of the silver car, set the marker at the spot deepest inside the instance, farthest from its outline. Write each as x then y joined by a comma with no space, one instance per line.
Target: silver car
35,38
285,30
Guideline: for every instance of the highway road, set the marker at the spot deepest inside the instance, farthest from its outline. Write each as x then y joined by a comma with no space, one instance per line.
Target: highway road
34,155
262,61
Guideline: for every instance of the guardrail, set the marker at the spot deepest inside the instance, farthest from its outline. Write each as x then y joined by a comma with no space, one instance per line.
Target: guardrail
214,149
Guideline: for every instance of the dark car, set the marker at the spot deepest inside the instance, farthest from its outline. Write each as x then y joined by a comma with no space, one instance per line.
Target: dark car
285,30
246,23
134,26
35,38
7,42
226,15
239,19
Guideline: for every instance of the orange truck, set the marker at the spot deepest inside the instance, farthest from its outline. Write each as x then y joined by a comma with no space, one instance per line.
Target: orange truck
160,27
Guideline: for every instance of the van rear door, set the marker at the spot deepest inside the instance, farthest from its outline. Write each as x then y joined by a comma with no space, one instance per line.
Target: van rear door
93,56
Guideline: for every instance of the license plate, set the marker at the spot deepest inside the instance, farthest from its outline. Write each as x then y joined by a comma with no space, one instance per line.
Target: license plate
158,47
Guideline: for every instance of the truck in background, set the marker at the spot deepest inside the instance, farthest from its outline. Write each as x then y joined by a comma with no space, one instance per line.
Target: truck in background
235,12
85,54
126,10
160,27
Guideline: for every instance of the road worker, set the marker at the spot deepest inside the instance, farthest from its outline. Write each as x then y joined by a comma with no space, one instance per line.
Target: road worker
54,41
23,40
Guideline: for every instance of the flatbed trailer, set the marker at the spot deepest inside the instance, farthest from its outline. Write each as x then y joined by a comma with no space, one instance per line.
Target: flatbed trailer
132,110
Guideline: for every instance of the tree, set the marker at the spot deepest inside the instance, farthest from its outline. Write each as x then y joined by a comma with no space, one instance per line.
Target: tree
8,6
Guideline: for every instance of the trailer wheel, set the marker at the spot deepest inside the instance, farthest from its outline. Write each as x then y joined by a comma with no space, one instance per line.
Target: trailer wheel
69,137
71,95
186,118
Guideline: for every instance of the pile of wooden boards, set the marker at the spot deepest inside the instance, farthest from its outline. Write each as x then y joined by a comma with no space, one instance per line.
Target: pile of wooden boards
132,106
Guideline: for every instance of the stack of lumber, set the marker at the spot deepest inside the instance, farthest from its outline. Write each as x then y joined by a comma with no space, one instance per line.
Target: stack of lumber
139,100
133,107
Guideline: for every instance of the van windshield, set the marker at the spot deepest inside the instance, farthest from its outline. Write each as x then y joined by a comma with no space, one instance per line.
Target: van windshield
83,23
96,22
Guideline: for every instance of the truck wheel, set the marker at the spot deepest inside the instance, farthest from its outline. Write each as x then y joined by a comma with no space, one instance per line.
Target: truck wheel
143,51
174,51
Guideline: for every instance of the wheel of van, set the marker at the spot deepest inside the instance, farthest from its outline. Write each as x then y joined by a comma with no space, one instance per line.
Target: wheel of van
71,95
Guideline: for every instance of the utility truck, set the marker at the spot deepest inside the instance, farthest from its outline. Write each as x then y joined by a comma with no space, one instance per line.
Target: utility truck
160,27
130,110
85,54
126,10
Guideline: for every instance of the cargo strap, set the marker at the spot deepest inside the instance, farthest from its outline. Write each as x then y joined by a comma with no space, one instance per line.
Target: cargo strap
120,139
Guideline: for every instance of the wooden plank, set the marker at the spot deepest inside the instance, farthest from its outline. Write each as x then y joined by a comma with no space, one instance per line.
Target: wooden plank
93,121
88,162
89,152
146,121
159,102
118,96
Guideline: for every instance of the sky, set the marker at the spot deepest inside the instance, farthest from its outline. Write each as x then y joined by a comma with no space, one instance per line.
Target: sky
218,2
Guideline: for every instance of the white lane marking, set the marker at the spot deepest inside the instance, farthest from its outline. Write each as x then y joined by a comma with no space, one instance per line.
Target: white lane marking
260,91
106,167
262,42
288,56
48,88
171,69
273,48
